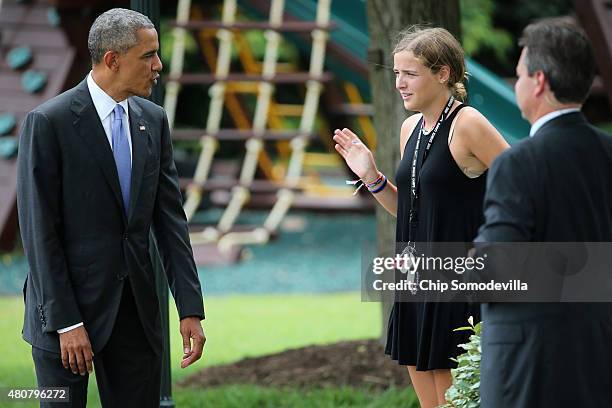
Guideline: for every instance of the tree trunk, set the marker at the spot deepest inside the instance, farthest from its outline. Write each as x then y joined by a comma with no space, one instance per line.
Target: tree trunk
386,18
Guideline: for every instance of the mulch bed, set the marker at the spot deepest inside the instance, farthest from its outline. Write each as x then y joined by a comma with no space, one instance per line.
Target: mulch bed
359,364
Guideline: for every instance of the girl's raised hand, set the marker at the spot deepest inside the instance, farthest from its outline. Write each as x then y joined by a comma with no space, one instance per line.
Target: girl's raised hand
356,154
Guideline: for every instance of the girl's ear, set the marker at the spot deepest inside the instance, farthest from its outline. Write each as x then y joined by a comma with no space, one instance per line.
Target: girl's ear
443,74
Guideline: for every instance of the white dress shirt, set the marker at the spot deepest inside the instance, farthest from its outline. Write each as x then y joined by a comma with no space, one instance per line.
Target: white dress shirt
105,105
548,117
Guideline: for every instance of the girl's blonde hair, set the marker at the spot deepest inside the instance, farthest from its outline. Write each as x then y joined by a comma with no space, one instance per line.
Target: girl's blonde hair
436,47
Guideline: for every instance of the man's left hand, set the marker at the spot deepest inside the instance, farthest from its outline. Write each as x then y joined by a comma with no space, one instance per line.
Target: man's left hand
191,330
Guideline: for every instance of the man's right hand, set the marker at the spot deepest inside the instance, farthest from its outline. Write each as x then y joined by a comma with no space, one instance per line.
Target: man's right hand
77,354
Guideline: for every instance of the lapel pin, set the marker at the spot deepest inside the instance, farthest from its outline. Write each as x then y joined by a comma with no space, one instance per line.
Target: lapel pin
142,127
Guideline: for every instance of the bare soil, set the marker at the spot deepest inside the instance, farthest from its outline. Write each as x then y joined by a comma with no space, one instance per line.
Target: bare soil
359,364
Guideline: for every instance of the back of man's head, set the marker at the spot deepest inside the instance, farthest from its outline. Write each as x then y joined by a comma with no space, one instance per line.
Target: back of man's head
561,50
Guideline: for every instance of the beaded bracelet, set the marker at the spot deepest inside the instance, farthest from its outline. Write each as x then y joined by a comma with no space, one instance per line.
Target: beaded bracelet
382,186
372,187
376,182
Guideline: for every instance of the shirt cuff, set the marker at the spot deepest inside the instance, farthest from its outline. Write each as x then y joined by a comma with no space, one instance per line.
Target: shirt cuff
67,329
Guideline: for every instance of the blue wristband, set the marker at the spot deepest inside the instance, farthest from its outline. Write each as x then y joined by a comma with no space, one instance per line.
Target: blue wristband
382,186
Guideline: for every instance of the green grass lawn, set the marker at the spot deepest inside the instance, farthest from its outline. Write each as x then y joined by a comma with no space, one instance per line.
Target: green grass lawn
248,396
237,327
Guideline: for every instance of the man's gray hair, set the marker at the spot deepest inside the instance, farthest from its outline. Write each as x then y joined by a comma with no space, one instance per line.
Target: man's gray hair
563,52
115,30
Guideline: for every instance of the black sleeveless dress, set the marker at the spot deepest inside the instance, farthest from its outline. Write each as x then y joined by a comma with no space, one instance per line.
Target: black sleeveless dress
449,210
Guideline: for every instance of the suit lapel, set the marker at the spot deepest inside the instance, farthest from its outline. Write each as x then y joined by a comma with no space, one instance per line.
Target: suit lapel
139,130
90,128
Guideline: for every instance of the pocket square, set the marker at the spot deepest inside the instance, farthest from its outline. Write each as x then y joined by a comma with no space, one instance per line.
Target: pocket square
142,127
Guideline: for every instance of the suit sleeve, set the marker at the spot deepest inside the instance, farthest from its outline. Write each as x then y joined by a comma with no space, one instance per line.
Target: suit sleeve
509,206
509,217
39,195
171,232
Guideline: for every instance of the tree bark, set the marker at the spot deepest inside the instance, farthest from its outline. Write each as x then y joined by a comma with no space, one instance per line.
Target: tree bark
386,18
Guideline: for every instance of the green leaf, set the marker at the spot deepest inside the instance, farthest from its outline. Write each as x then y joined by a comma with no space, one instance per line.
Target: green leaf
465,389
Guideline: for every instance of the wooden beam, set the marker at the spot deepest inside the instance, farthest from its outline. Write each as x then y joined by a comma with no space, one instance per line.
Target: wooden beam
237,135
289,26
279,78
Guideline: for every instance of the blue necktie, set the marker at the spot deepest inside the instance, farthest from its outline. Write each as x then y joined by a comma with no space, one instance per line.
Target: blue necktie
123,159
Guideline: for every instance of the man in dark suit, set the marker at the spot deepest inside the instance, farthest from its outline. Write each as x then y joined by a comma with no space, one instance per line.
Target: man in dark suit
95,173
556,186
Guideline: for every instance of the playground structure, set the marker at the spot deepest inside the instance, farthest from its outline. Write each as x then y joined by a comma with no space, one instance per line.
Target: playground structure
284,188
279,169
224,236
32,46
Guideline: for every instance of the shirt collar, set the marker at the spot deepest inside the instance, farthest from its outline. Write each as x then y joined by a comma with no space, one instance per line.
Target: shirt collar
103,103
548,117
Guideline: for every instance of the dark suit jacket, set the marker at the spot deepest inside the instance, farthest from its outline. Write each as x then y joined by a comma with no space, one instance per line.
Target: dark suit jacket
553,187
79,243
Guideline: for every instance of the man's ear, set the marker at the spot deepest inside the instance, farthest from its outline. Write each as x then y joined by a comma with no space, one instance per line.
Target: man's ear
541,83
111,60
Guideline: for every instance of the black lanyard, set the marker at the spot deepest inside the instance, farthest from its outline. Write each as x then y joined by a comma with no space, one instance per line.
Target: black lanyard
414,180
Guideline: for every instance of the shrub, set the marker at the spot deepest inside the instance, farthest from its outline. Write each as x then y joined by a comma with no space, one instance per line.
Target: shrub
465,390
